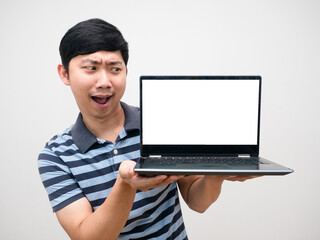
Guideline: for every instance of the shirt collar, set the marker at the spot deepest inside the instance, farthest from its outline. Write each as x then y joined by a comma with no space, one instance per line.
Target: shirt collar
132,117
84,139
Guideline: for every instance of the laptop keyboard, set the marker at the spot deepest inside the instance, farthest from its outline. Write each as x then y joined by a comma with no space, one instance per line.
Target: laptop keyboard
203,160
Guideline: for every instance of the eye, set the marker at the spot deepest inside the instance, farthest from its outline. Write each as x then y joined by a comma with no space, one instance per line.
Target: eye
116,69
91,68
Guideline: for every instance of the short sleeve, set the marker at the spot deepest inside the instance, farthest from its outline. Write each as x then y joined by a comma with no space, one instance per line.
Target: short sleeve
61,186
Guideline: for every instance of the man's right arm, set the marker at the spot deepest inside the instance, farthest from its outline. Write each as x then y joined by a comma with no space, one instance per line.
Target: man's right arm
80,222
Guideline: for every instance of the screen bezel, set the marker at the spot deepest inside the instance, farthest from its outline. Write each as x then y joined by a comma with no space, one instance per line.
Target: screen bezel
172,150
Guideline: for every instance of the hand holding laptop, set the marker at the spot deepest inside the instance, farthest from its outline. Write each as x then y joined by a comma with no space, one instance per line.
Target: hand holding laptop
142,183
234,178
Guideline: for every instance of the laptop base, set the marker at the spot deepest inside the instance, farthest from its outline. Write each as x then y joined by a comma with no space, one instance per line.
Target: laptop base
147,167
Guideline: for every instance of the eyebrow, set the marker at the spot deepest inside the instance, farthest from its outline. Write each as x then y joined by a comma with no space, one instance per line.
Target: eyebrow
94,61
113,63
89,60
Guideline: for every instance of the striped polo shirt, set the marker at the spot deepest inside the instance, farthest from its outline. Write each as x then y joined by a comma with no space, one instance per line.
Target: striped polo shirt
76,164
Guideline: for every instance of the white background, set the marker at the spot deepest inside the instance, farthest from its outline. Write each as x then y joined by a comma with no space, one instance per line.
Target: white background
277,39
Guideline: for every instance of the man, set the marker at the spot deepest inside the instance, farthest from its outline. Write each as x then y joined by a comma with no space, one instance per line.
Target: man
88,169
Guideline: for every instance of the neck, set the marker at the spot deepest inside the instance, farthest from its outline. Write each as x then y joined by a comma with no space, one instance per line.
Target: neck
107,128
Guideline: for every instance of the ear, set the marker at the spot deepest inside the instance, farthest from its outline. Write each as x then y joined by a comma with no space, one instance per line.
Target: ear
63,75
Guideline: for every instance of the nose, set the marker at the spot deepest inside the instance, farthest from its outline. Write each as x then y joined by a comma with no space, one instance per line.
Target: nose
104,80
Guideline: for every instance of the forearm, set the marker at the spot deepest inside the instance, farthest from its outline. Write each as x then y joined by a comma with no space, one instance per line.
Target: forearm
203,192
109,219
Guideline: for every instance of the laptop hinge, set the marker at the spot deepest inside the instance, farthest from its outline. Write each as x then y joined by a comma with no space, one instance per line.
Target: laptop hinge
244,155
155,156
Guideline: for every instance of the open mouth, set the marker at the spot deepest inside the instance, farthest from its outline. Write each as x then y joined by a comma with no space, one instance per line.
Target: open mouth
101,100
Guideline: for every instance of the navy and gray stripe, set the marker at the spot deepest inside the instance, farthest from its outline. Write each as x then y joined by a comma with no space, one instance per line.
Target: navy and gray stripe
75,164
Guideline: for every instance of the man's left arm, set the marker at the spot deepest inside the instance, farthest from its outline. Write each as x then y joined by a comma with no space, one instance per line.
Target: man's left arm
199,192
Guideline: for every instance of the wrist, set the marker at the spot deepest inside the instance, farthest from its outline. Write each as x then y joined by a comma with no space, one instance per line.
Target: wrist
124,185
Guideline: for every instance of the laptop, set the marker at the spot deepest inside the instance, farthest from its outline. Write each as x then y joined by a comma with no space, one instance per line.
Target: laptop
200,125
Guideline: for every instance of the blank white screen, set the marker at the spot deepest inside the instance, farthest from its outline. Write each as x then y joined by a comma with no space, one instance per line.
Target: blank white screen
212,112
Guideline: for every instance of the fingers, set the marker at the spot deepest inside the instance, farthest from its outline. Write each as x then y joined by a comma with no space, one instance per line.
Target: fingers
126,169
142,183
146,183
239,178
170,179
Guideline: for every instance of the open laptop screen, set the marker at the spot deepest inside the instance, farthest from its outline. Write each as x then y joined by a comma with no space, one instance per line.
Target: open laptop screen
200,110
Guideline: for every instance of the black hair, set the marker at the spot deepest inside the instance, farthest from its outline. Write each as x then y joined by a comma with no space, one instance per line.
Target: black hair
91,36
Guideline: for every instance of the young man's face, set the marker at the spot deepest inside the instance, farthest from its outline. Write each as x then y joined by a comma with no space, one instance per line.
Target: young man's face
97,81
